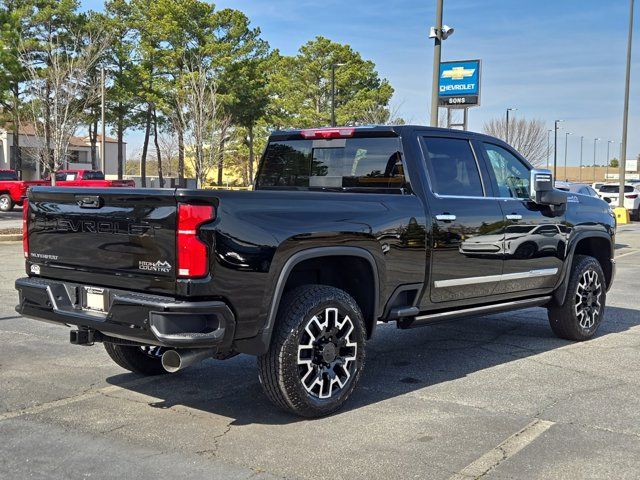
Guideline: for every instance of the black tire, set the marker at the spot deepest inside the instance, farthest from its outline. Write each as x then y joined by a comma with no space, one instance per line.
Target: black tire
338,364
579,317
135,359
6,203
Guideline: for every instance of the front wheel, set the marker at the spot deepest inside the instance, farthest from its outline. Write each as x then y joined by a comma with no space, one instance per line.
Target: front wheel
579,317
317,352
6,203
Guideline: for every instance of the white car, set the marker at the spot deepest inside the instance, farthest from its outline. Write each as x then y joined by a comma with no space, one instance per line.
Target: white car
609,193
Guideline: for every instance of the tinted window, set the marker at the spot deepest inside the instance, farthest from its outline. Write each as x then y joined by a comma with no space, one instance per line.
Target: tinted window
65,177
8,176
94,175
452,167
511,174
615,189
333,164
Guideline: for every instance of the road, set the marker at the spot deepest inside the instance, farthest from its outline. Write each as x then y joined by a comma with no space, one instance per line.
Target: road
11,220
497,397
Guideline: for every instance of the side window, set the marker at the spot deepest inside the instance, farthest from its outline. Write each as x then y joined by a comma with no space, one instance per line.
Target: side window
452,167
511,174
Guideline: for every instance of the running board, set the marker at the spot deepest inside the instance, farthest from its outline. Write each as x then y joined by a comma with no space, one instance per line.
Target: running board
430,318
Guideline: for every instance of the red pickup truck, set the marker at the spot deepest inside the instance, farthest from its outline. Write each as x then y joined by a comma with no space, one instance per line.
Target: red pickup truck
12,190
88,178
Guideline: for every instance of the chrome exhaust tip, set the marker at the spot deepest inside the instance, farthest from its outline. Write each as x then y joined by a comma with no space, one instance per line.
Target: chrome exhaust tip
176,360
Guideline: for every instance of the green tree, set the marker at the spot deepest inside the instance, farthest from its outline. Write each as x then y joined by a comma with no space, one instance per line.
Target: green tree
302,86
614,163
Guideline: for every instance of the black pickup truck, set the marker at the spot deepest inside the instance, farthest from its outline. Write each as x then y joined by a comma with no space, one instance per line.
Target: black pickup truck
347,227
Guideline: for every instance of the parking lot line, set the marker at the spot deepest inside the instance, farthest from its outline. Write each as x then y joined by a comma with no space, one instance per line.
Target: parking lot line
76,398
628,253
504,451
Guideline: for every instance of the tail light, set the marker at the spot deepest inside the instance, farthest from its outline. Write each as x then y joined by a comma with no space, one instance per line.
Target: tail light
634,196
25,225
193,258
327,133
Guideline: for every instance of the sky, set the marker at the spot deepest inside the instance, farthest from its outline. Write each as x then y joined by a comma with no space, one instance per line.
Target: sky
550,59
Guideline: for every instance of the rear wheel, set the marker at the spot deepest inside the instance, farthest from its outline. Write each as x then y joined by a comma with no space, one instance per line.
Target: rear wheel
145,360
317,351
579,317
6,203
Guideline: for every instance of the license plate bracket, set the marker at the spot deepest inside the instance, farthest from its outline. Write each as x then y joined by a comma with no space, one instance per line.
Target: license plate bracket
95,299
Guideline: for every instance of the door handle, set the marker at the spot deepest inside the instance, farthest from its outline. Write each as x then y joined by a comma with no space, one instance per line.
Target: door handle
445,217
514,216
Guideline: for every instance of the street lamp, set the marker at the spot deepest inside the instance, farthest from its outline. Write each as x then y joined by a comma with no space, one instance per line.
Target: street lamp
438,33
606,175
566,145
555,148
549,147
625,117
509,110
595,142
333,92
580,174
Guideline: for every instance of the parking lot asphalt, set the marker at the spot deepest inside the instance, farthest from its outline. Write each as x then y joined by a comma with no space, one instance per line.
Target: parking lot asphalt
492,397
11,220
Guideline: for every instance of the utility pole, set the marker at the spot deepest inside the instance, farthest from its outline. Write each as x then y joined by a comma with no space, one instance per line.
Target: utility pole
625,118
333,92
555,149
595,142
509,110
104,128
581,144
566,145
549,147
437,56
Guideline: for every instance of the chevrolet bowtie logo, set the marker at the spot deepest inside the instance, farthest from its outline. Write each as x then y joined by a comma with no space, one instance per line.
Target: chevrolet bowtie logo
458,73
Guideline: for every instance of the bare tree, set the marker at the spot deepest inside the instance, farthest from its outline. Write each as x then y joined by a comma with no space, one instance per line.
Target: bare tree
205,124
529,137
59,93
381,115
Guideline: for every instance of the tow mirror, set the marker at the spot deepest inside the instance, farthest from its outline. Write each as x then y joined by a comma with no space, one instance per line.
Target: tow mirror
542,189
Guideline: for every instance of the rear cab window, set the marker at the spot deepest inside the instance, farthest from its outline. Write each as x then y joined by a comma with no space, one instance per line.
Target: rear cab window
8,176
339,164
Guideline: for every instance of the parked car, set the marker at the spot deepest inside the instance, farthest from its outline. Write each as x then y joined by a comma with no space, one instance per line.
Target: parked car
596,185
579,188
610,193
346,227
13,190
88,178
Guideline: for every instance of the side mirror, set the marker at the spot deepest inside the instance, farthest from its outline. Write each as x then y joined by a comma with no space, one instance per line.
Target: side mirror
542,190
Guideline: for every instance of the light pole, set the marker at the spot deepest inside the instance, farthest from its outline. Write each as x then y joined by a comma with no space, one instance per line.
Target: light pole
549,147
555,149
606,175
438,33
333,92
625,119
566,147
581,143
509,110
102,119
595,142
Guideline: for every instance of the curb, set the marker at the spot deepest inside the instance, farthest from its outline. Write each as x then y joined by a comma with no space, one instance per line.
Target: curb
13,237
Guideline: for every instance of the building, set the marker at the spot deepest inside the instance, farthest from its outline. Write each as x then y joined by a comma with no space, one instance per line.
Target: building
79,153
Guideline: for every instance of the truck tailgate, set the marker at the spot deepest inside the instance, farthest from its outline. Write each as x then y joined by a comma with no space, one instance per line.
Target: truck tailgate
106,236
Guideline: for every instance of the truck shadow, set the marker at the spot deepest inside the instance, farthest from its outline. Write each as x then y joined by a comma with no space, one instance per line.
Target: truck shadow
398,362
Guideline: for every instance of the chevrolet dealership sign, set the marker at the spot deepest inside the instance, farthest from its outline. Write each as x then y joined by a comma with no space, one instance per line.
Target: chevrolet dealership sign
459,84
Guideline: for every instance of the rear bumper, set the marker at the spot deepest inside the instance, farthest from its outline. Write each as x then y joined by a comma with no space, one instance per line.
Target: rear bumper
138,317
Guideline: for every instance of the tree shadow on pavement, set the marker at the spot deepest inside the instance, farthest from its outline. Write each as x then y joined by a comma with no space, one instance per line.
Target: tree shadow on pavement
398,362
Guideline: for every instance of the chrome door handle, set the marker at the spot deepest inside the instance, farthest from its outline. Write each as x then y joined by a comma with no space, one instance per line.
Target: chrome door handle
445,217
514,216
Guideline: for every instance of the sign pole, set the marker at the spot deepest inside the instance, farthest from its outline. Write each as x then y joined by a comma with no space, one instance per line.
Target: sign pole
437,55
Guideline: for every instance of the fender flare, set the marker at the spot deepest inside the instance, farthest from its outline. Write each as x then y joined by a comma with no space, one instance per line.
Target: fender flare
259,344
560,292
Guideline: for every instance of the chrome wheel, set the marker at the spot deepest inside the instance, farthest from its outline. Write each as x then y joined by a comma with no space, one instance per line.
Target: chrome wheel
588,294
4,203
327,353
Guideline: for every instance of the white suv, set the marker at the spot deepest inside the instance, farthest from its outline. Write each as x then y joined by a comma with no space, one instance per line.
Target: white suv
609,193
